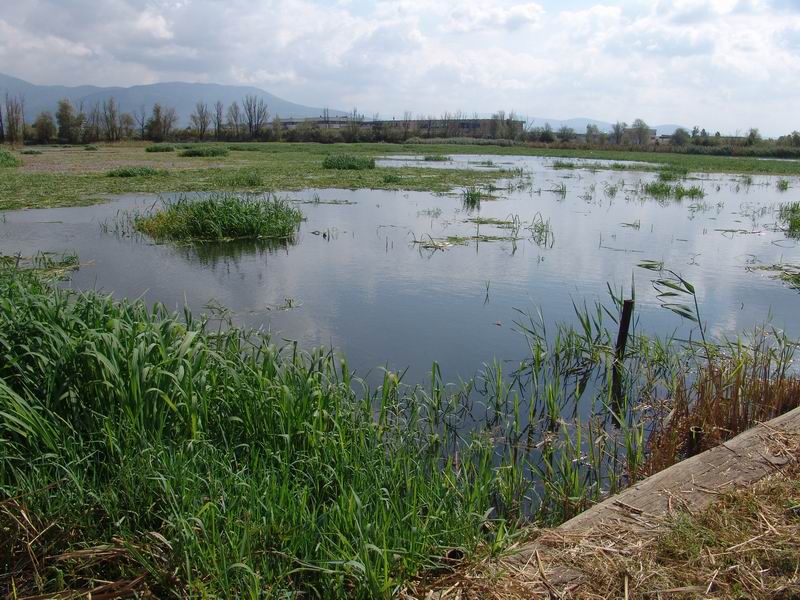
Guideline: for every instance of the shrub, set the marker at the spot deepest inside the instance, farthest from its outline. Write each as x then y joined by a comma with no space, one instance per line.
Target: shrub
160,148
205,151
7,159
348,162
91,148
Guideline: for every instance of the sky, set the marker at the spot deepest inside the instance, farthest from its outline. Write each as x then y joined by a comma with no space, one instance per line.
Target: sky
724,65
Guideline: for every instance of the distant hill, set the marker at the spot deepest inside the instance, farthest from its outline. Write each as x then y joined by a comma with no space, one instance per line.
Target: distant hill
579,125
181,96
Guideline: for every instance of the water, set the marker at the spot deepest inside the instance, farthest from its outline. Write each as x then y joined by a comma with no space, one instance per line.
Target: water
355,280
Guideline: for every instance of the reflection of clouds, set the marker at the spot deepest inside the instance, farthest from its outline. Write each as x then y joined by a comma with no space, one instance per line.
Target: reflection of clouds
395,305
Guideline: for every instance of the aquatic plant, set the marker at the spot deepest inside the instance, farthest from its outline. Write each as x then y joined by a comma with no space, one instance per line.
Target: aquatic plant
782,185
789,213
436,158
348,162
471,198
672,173
204,151
239,179
661,189
136,172
220,216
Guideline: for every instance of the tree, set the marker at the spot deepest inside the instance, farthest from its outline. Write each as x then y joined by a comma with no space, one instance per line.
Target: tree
140,116
753,137
161,121
66,118
15,119
592,133
255,113
277,128
94,122
566,134
218,119
234,119
680,137
641,132
44,127
618,131
111,120
200,119
546,135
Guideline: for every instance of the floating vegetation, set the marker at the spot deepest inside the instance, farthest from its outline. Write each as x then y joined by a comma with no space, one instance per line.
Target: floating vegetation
787,272
219,217
637,224
563,164
7,159
559,189
789,213
348,162
204,151
436,158
538,231
434,213
782,185
160,148
315,199
136,172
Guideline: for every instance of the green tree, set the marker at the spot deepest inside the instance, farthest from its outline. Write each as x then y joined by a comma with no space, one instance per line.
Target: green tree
566,134
44,127
618,131
680,137
641,132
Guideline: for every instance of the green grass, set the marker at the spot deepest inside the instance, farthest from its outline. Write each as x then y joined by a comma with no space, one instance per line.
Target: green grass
662,189
789,213
436,158
160,148
204,151
7,159
91,148
31,152
220,217
348,162
672,173
782,185
136,172
239,179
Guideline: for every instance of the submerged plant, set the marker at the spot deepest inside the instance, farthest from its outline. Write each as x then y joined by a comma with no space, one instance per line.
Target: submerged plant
220,216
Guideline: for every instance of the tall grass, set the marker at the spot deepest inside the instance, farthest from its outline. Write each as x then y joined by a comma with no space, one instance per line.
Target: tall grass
220,216
348,162
145,448
136,172
160,148
789,213
661,189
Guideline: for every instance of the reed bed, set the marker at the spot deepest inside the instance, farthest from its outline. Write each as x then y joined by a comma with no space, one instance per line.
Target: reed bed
218,217
154,452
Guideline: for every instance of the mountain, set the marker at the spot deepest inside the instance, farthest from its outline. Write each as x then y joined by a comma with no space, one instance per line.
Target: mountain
579,125
181,96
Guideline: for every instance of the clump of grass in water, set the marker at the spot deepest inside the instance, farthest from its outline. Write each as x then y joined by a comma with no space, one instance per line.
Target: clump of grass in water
136,172
563,164
7,159
348,162
436,158
661,189
789,213
782,185
219,217
471,198
204,151
160,148
672,173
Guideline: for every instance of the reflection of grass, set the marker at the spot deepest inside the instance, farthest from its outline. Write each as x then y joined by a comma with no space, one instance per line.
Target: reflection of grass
221,217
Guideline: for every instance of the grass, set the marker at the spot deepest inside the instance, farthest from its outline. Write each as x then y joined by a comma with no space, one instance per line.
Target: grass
7,159
782,185
220,217
31,152
147,449
160,148
662,189
348,162
91,148
436,158
239,179
672,173
68,178
789,213
136,172
204,151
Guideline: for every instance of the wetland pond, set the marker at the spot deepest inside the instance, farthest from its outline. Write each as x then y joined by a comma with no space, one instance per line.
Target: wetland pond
403,279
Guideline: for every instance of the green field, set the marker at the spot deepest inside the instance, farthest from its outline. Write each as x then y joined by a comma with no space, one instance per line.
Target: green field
65,176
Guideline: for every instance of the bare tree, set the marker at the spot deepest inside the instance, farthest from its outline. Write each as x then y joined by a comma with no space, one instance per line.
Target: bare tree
234,119
140,116
641,132
618,131
161,121
200,119
277,128
94,121
256,115
44,127
111,120
2,128
407,122
168,122
219,119
15,119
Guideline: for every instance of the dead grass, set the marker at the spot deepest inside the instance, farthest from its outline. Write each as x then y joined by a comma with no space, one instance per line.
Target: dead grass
746,544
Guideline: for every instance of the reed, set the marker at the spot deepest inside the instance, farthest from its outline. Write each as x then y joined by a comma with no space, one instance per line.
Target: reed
789,214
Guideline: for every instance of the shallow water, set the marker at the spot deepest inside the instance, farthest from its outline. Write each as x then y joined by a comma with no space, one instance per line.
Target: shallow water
355,279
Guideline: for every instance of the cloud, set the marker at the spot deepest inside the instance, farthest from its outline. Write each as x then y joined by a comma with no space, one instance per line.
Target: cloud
722,64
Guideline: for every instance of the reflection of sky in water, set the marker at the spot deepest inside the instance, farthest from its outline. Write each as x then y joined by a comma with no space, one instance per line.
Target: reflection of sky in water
370,292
